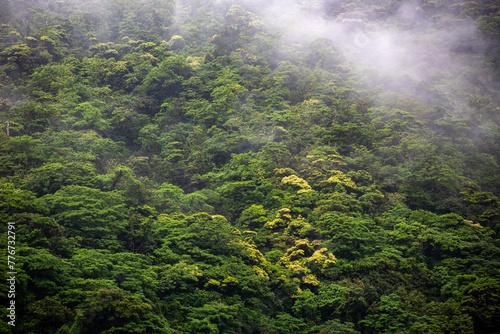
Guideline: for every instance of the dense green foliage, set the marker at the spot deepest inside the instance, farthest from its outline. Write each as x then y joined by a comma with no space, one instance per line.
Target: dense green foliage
191,167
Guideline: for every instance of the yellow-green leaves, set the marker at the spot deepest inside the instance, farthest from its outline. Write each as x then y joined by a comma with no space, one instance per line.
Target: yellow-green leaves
297,182
342,179
303,262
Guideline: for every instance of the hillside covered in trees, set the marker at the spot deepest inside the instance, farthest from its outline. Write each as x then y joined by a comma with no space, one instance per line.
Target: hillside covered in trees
250,166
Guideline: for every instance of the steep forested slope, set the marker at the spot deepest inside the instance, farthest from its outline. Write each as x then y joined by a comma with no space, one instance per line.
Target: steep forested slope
250,166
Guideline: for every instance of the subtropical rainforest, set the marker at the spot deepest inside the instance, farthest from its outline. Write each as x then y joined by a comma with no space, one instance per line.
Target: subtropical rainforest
250,166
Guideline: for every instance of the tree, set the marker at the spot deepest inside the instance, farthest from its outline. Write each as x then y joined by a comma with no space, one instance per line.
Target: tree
166,79
215,318
93,217
389,318
480,300
51,177
49,315
50,80
111,311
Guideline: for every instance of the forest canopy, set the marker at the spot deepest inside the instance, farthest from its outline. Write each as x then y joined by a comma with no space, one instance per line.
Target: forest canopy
248,166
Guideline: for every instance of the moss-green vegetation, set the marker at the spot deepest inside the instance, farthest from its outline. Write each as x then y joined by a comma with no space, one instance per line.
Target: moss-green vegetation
197,167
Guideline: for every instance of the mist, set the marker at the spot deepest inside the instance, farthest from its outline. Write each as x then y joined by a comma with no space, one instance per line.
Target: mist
425,53
406,51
